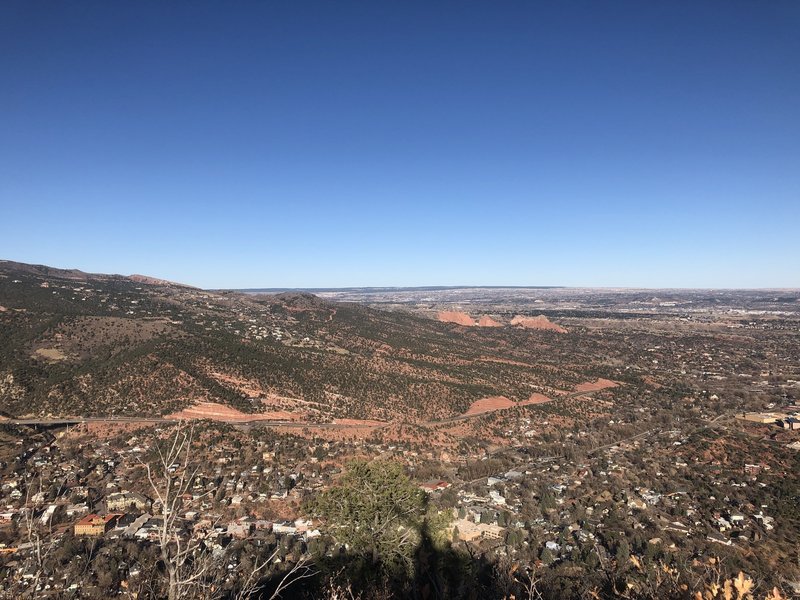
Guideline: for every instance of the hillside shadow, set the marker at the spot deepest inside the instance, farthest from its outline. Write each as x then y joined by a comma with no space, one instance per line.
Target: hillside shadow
436,574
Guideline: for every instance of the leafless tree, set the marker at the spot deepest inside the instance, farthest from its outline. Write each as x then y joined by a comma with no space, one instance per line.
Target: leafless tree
170,477
517,581
190,567
249,585
339,591
529,581
39,536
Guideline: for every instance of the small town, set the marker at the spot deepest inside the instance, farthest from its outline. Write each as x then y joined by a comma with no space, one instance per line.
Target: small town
72,498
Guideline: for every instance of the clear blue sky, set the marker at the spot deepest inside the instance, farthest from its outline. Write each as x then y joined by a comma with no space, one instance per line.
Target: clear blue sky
261,144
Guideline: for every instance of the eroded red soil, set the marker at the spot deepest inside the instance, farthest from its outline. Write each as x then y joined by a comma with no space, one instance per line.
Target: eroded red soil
593,386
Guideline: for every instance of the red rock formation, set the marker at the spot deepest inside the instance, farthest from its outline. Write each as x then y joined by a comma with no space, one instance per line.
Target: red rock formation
540,322
459,318
487,321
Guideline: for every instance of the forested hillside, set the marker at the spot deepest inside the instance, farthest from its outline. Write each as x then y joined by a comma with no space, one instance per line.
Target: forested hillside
81,344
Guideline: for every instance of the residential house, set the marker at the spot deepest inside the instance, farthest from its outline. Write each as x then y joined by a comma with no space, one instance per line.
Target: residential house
637,504
736,518
240,529
677,527
284,527
497,497
718,538
74,510
95,525
792,423
124,500
434,485
469,531
303,525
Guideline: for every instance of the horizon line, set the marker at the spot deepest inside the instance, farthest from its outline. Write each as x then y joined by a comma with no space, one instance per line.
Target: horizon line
376,288
278,289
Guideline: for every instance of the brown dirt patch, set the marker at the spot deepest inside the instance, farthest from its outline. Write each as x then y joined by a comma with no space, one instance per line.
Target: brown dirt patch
494,403
540,322
490,404
51,354
459,318
219,412
649,380
593,386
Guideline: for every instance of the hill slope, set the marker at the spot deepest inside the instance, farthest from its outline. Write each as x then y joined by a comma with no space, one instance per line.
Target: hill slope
74,343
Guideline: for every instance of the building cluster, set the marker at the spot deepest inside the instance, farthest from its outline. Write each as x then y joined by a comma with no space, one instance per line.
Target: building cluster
556,509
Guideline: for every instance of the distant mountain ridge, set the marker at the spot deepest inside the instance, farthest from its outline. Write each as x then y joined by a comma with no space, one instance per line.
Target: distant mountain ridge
78,275
368,289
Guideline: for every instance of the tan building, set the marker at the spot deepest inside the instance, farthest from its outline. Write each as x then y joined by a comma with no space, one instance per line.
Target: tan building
95,525
764,418
470,532
124,500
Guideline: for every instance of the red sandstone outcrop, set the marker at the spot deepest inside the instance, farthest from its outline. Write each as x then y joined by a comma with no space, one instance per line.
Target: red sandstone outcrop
540,322
459,318
487,321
